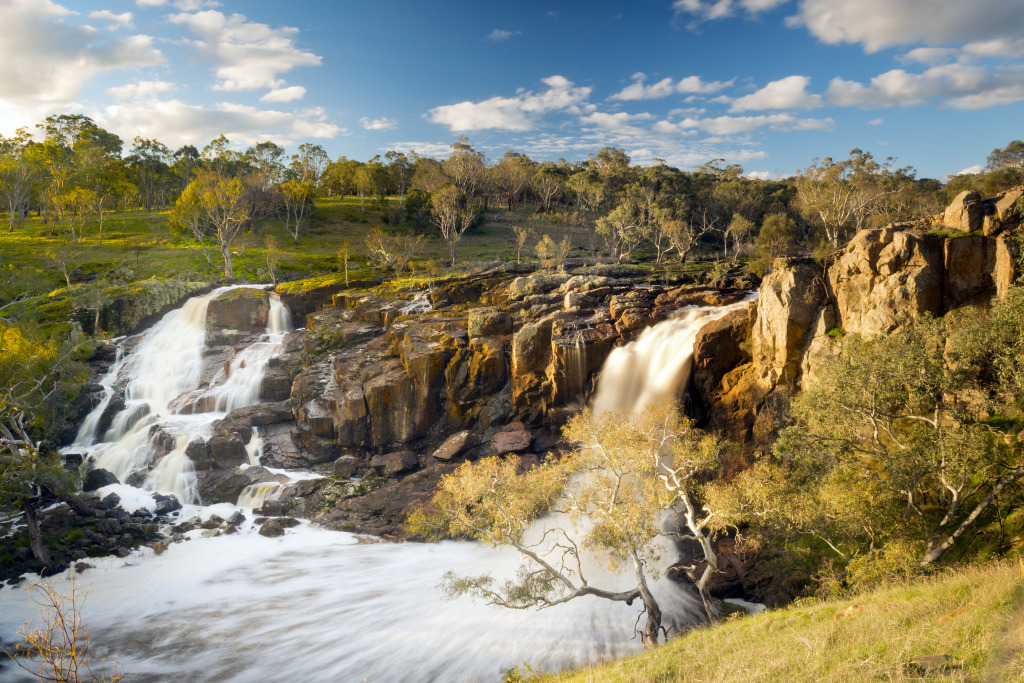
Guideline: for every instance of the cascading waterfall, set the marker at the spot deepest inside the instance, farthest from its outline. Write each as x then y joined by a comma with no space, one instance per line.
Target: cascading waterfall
165,365
656,365
242,607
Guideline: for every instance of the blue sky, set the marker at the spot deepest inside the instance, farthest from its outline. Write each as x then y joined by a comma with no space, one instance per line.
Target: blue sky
768,84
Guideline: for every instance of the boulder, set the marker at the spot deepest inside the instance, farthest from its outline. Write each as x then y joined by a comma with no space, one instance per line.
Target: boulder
455,445
970,263
273,528
227,451
345,466
965,213
199,453
538,283
97,479
1009,207
224,486
515,438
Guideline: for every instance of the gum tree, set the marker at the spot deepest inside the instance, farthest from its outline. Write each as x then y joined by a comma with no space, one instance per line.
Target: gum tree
605,497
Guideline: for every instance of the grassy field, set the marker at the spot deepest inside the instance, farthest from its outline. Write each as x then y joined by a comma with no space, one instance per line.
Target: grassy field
143,243
965,625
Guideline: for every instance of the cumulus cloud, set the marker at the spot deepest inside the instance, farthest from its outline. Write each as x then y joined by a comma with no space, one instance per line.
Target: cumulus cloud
878,24
786,93
971,170
759,175
639,90
382,123
960,86
295,92
140,90
177,123
47,59
618,122
500,35
116,21
519,113
248,54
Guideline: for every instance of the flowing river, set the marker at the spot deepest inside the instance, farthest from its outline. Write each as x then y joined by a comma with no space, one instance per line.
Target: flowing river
317,604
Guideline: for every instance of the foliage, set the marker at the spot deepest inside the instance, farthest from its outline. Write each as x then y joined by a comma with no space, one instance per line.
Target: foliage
390,252
59,650
605,496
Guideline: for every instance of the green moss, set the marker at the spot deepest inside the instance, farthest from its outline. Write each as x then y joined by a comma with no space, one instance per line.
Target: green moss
836,333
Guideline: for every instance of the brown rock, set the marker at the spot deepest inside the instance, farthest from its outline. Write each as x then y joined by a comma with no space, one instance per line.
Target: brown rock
227,450
719,347
345,466
515,441
489,322
391,464
790,298
969,266
455,445
965,212
1008,208
239,309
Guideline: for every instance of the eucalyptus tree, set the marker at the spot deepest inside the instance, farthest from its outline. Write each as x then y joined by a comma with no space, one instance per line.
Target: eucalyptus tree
211,214
16,177
604,498
452,215
149,161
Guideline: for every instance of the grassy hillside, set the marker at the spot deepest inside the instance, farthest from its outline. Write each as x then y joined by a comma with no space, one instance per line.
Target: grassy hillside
965,625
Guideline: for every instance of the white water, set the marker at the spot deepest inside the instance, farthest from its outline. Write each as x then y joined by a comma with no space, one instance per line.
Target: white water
321,605
165,366
656,365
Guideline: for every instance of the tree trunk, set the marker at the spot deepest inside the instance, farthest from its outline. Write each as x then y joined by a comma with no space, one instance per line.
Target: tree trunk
653,629
35,540
76,504
229,272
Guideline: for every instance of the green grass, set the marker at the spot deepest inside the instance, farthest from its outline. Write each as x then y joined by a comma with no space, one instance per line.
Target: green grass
975,616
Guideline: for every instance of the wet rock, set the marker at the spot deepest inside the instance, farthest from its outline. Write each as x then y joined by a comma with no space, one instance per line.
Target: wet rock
719,347
227,450
239,309
97,479
276,527
224,486
165,504
110,501
199,453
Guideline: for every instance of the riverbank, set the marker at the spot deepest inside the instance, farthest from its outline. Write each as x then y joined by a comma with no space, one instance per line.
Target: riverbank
962,625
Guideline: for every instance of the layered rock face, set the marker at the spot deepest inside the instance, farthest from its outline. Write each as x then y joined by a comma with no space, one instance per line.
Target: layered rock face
747,367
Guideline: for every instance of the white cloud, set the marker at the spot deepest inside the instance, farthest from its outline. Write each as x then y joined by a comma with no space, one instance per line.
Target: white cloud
47,60
427,149
499,35
295,92
183,5
638,90
971,170
249,55
960,86
878,24
760,175
876,122
733,125
382,123
123,20
930,55
709,10
140,90
177,123
618,122
519,113
786,93
997,47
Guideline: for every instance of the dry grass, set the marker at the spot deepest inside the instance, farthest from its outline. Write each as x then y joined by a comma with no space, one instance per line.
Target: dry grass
965,625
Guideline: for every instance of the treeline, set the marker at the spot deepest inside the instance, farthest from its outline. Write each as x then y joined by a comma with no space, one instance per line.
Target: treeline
80,172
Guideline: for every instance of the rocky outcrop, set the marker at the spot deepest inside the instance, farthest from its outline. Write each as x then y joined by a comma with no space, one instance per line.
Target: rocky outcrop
878,281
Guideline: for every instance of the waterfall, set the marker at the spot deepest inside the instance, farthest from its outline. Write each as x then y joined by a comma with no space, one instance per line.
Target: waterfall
656,365
166,364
